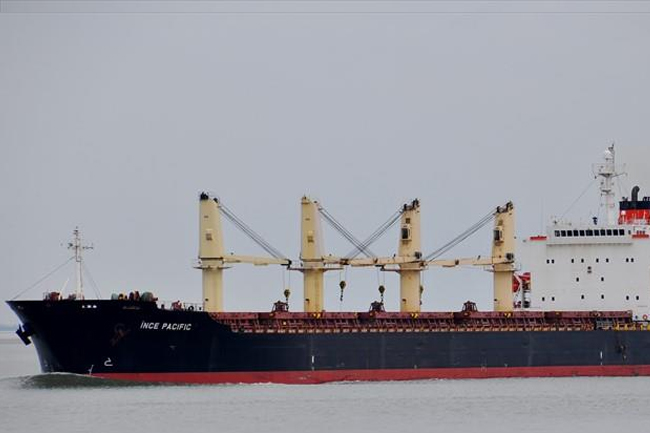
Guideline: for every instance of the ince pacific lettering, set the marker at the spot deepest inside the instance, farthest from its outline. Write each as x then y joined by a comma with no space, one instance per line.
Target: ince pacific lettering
166,326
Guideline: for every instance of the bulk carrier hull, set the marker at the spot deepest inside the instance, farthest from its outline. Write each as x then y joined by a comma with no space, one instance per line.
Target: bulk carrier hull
139,341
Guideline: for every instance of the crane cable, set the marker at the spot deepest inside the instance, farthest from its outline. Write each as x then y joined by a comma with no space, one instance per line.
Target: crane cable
361,246
461,237
255,237
381,230
345,233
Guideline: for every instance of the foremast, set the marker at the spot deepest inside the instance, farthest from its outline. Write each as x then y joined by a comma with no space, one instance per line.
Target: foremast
78,247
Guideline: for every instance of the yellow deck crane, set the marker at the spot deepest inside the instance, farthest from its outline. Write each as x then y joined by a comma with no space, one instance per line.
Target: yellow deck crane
213,260
409,261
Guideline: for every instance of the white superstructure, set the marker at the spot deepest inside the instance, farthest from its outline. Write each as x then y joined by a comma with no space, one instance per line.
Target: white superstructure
593,266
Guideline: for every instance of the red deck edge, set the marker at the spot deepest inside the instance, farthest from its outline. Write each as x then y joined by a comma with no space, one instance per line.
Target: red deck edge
640,236
538,238
322,376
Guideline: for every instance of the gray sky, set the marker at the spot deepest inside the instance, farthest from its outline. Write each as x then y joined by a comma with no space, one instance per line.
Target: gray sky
115,122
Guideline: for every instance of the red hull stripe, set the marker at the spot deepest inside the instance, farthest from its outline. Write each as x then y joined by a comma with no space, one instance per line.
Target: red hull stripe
322,376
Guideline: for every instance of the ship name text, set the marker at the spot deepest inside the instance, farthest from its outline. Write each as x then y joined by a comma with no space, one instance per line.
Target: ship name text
164,326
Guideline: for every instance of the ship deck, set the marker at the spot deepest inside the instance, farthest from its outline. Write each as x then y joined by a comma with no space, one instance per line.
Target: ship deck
351,322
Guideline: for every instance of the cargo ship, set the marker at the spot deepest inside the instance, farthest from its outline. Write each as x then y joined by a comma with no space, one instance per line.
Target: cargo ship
574,304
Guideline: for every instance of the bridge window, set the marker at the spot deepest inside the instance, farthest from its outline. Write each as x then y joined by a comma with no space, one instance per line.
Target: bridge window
602,278
602,232
627,297
606,260
577,279
543,299
602,296
552,298
557,233
590,232
573,261
597,260
637,297
582,296
609,232
582,260
563,233
582,232
575,233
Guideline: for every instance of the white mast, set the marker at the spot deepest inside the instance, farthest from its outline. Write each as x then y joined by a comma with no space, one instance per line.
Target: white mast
78,247
607,172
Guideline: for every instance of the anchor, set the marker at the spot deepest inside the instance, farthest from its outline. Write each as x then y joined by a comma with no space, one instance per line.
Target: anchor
24,332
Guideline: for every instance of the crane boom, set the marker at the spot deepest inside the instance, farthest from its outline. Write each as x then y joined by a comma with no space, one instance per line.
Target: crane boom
254,260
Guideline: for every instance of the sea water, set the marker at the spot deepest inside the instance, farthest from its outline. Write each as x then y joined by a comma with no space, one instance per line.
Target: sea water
57,403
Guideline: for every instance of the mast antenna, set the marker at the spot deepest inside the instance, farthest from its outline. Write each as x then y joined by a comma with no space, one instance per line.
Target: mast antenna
607,171
77,246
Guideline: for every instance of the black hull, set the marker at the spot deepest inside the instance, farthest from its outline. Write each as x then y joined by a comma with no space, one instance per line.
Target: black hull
136,340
